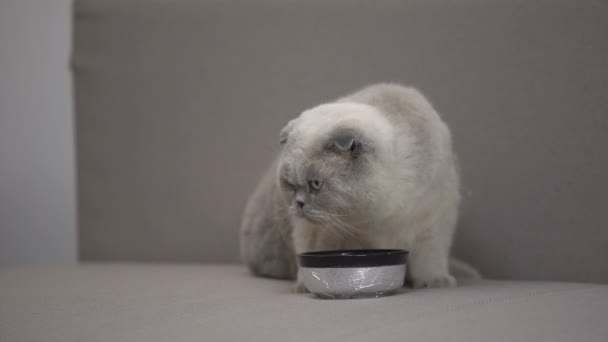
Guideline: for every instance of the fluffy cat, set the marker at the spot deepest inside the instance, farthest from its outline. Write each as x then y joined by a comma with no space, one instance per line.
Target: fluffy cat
374,169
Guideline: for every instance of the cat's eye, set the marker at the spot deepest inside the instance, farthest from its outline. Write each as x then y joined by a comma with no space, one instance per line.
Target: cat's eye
315,184
287,184
355,149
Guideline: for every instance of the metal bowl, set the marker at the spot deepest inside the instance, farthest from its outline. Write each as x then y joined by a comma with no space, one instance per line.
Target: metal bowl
353,273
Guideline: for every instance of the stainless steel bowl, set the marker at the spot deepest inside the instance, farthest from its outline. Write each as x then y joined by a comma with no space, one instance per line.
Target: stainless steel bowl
353,273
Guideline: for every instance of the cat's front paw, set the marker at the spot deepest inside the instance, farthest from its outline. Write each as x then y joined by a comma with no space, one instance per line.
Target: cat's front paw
435,281
299,287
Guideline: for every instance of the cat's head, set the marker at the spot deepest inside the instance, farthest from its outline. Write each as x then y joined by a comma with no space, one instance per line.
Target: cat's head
333,164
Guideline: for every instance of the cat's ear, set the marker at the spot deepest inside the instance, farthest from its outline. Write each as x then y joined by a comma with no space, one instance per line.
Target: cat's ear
348,143
286,131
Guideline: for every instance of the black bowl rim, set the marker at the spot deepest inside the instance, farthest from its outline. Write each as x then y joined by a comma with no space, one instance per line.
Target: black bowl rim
353,258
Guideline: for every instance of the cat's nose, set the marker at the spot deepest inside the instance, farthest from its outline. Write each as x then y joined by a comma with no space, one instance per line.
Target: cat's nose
300,204
300,200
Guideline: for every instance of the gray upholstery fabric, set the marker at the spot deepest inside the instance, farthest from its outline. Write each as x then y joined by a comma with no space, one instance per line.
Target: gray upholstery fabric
224,303
179,105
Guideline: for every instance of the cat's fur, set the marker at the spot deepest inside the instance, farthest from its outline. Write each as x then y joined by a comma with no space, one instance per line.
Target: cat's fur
374,169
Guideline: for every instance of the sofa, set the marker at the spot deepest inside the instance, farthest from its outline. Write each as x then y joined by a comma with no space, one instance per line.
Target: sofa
178,108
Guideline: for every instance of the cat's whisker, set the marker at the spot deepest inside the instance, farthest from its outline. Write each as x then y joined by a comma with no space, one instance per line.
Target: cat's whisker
343,227
344,224
336,215
335,231
336,223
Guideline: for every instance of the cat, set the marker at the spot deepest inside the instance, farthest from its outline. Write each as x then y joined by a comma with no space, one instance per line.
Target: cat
374,169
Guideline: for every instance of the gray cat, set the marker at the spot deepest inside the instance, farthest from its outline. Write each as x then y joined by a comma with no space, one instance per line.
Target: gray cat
374,169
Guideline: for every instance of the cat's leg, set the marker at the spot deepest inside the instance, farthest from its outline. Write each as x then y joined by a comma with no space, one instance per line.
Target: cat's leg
299,287
428,263
308,237
303,241
266,247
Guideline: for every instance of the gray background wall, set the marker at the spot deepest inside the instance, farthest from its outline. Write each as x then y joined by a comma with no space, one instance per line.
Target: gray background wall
179,104
37,206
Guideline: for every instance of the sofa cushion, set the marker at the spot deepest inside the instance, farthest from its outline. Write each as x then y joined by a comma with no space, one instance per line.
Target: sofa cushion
147,302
